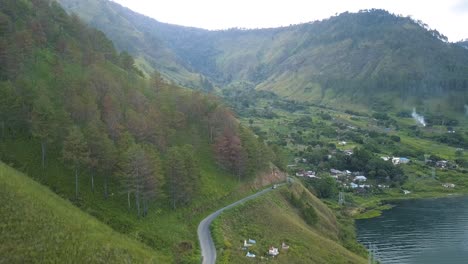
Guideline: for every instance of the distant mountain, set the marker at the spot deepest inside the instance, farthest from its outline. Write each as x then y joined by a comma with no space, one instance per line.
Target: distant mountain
463,43
356,57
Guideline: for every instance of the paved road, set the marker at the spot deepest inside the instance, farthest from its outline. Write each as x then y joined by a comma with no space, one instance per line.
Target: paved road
208,249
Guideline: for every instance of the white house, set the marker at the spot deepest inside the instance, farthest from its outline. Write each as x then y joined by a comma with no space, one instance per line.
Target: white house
449,185
360,178
353,185
273,251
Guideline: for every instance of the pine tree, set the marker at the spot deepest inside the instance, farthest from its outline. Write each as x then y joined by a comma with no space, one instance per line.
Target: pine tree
43,122
75,152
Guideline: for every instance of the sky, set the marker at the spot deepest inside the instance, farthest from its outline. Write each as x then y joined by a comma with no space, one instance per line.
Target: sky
449,17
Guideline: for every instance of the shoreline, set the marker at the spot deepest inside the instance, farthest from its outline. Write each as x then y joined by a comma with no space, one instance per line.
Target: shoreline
379,204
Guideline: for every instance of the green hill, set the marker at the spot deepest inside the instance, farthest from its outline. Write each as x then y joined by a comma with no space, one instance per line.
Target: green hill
147,158
39,226
291,215
355,58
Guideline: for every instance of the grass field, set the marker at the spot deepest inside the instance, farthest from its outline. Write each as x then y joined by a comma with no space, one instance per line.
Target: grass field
37,226
171,232
272,220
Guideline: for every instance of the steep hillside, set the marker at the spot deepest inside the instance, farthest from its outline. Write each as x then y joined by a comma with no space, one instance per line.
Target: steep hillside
39,226
291,215
131,32
352,57
145,157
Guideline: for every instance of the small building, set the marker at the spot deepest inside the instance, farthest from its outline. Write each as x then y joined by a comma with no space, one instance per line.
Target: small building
273,251
348,152
449,185
353,185
405,192
342,143
250,255
442,164
335,172
247,244
398,160
284,246
385,158
360,178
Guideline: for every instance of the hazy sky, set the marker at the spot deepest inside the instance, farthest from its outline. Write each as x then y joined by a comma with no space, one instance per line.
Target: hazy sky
450,17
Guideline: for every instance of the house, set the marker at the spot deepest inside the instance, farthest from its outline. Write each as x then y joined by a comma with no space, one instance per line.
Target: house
250,255
404,160
251,241
284,246
442,164
449,185
310,174
385,158
406,192
335,172
273,251
348,152
342,143
397,160
360,178
353,185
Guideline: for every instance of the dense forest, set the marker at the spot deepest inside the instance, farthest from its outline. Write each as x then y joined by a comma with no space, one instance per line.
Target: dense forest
64,87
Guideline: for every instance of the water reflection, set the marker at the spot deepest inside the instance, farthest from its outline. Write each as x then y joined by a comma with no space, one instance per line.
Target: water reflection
431,231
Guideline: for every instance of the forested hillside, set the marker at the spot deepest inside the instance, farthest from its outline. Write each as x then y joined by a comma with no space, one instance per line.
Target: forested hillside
353,57
79,117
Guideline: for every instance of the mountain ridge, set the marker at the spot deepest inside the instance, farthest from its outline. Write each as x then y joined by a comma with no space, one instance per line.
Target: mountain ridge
358,57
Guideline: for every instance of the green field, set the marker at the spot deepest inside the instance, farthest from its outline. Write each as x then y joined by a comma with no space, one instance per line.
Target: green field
271,220
37,226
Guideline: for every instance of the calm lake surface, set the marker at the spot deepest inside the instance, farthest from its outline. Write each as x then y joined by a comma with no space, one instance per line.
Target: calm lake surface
429,231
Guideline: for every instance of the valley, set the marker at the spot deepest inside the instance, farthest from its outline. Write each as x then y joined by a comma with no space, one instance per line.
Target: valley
119,134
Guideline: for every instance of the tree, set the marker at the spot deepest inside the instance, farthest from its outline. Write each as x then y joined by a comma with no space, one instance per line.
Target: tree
43,122
182,173
102,152
9,107
229,152
75,152
141,175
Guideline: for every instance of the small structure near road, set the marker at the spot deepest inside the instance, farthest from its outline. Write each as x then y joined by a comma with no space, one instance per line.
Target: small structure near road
273,251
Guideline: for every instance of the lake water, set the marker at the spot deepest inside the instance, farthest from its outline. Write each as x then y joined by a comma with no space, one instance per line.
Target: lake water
429,231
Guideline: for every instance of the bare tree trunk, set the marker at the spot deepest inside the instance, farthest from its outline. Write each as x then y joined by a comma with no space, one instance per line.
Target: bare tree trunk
92,180
43,149
128,198
137,200
76,182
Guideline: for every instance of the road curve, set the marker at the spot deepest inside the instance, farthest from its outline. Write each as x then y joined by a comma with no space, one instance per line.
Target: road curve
208,249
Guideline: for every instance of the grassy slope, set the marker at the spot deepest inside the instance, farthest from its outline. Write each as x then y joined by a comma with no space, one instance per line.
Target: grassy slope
270,220
166,230
38,226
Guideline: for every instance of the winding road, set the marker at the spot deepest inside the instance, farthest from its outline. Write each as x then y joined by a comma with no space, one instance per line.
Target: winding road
208,249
